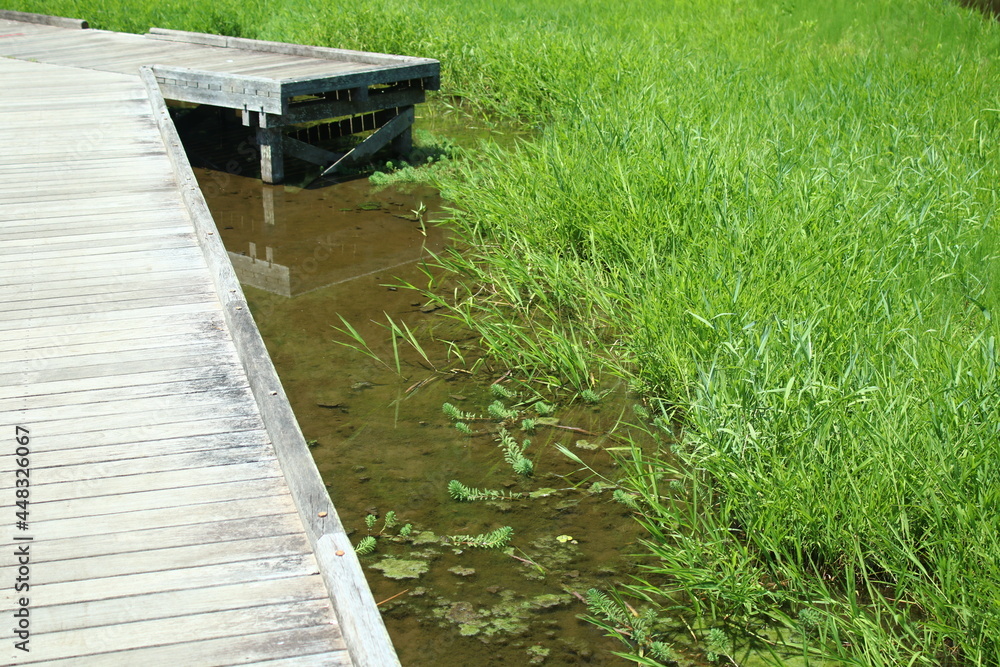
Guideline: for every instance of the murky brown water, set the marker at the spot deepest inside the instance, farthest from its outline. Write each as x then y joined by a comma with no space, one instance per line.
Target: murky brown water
309,257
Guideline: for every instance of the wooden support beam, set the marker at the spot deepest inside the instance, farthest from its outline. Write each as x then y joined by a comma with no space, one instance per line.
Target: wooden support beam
221,89
402,143
307,112
272,152
402,122
308,152
427,70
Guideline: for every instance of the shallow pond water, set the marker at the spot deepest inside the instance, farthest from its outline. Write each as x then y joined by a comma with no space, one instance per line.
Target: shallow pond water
383,444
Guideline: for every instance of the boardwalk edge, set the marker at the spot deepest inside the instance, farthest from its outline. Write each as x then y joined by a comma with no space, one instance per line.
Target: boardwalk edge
361,624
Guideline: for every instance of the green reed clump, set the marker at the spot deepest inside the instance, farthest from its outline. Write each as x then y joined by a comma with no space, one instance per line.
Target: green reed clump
794,248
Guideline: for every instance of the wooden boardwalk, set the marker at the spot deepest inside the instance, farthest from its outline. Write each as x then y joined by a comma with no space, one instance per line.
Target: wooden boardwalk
273,85
175,514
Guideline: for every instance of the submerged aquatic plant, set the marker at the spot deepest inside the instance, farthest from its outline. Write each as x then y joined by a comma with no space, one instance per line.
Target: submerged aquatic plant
495,539
513,453
365,546
544,409
500,391
500,411
638,630
463,493
454,414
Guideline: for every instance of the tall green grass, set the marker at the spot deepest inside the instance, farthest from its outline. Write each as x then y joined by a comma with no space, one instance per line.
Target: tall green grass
777,220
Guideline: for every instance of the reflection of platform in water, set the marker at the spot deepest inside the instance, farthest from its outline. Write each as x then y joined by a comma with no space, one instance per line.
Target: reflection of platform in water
290,243
262,274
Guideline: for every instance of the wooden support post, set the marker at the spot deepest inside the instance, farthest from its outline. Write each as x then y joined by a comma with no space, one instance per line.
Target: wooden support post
402,144
272,152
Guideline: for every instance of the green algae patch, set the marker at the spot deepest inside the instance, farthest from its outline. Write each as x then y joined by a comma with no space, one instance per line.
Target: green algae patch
398,568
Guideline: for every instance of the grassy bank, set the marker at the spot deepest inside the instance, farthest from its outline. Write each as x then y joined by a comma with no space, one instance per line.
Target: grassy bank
778,221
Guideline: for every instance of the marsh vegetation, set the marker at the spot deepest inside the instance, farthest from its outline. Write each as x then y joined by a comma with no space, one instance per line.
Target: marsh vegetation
776,221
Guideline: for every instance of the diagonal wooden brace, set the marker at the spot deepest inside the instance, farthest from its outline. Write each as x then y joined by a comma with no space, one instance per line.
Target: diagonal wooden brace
396,127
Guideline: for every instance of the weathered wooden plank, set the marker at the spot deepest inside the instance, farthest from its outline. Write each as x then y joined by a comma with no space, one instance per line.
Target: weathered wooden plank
47,349
109,495
168,559
96,205
148,217
220,89
46,297
258,648
161,462
98,307
127,266
312,85
182,356
115,324
221,398
153,434
152,606
251,440
278,566
127,311
298,661
43,19
55,288
189,410
92,644
300,50
262,499
116,525
178,292
267,521
189,37
35,357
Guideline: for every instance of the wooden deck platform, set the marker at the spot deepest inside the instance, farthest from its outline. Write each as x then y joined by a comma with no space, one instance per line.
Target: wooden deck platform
273,85
174,515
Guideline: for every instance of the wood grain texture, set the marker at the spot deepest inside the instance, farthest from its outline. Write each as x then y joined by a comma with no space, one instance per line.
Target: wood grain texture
164,527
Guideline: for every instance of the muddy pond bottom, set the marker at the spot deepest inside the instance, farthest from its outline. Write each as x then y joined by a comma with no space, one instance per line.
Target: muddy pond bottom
494,579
